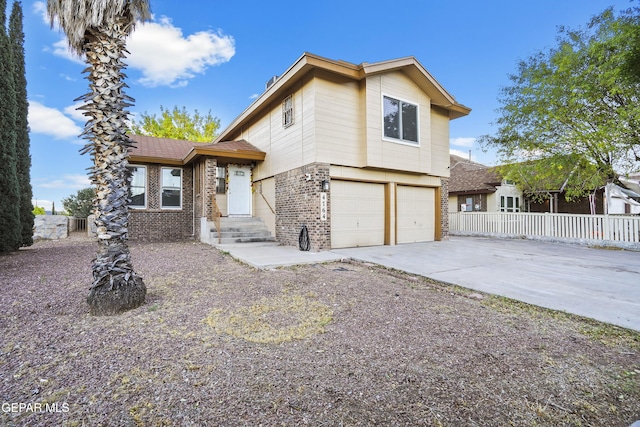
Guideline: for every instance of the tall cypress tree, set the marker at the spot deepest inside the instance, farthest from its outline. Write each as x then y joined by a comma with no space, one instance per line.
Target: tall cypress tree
10,226
23,158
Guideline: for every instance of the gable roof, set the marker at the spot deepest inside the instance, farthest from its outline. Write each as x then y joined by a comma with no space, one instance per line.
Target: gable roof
409,65
471,177
151,149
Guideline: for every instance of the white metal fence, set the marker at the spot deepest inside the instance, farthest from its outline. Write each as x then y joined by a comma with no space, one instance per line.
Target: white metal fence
605,228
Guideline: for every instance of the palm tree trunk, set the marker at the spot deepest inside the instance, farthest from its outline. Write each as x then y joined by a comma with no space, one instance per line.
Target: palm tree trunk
116,287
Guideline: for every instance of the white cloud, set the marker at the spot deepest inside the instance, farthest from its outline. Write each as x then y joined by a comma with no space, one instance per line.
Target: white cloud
460,153
462,142
166,58
71,182
73,112
161,53
254,96
52,122
61,49
46,204
40,8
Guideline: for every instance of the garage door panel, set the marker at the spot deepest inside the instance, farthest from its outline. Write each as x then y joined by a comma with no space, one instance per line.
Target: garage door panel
357,214
415,214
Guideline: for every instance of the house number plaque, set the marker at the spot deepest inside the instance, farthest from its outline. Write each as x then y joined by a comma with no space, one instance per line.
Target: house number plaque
323,206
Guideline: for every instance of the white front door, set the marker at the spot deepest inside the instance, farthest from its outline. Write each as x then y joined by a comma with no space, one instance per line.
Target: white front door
239,191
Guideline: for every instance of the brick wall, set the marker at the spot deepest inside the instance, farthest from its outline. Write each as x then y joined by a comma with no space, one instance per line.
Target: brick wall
444,208
298,204
156,224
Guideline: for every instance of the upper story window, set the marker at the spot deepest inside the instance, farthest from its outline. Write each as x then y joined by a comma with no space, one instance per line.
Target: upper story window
138,187
400,120
287,111
171,182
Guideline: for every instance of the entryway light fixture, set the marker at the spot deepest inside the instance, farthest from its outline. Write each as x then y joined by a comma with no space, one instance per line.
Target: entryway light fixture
325,185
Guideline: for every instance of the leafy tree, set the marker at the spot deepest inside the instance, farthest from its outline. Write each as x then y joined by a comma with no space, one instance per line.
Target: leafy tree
572,112
10,226
80,204
98,29
178,124
37,210
23,158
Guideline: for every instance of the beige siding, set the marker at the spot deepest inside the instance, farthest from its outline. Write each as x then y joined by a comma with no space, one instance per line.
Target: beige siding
343,172
453,204
439,143
338,121
387,154
265,189
286,148
415,214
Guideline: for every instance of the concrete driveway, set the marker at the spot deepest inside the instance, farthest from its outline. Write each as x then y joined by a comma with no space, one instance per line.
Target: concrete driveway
596,283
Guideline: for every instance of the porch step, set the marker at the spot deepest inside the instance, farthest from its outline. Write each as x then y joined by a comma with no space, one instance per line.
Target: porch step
241,230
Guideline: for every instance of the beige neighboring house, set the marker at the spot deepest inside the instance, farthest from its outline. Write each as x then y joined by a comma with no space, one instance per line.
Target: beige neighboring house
359,154
474,187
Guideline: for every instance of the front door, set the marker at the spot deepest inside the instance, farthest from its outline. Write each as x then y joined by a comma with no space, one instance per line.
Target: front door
239,191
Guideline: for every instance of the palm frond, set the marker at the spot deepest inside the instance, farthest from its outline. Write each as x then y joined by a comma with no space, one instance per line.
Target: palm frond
75,17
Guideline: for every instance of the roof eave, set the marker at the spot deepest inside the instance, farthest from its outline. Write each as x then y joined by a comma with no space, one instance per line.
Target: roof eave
153,159
213,152
439,96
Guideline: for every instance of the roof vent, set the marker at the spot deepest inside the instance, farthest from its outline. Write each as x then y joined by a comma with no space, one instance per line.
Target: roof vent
270,82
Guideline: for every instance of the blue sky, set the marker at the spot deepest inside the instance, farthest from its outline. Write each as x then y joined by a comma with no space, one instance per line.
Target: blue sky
217,56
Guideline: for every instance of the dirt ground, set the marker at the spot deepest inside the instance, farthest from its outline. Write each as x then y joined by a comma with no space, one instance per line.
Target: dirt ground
340,344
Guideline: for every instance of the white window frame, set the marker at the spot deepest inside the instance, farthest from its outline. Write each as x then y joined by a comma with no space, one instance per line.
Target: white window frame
146,187
162,206
401,140
504,204
287,111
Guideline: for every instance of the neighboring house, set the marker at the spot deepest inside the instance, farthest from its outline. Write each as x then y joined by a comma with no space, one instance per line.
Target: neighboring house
359,154
474,187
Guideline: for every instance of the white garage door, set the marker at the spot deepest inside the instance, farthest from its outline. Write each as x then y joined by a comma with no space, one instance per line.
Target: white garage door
357,214
416,214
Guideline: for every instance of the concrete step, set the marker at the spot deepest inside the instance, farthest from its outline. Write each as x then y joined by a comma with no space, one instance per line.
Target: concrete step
231,240
241,230
242,233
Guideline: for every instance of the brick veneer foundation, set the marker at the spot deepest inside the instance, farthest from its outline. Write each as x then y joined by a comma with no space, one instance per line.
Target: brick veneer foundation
298,204
444,208
154,224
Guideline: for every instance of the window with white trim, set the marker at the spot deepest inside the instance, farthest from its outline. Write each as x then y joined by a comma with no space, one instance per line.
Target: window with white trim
138,187
171,183
400,120
287,111
509,204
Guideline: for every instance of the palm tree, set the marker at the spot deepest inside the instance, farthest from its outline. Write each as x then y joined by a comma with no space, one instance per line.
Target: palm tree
98,29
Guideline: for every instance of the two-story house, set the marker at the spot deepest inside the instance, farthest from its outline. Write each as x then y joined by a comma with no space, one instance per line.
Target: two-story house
359,154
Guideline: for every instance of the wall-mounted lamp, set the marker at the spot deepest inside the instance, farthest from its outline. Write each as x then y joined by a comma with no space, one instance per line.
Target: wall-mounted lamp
325,185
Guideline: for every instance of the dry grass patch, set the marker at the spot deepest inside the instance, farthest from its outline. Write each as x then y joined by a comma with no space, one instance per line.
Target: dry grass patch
273,320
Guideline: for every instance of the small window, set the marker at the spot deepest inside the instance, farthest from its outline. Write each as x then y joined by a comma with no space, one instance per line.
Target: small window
221,180
400,120
287,111
138,187
171,188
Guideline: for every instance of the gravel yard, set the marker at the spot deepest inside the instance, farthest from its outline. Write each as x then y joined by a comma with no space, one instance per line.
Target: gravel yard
221,343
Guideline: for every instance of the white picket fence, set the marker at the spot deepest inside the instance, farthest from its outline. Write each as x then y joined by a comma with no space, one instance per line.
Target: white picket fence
604,228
